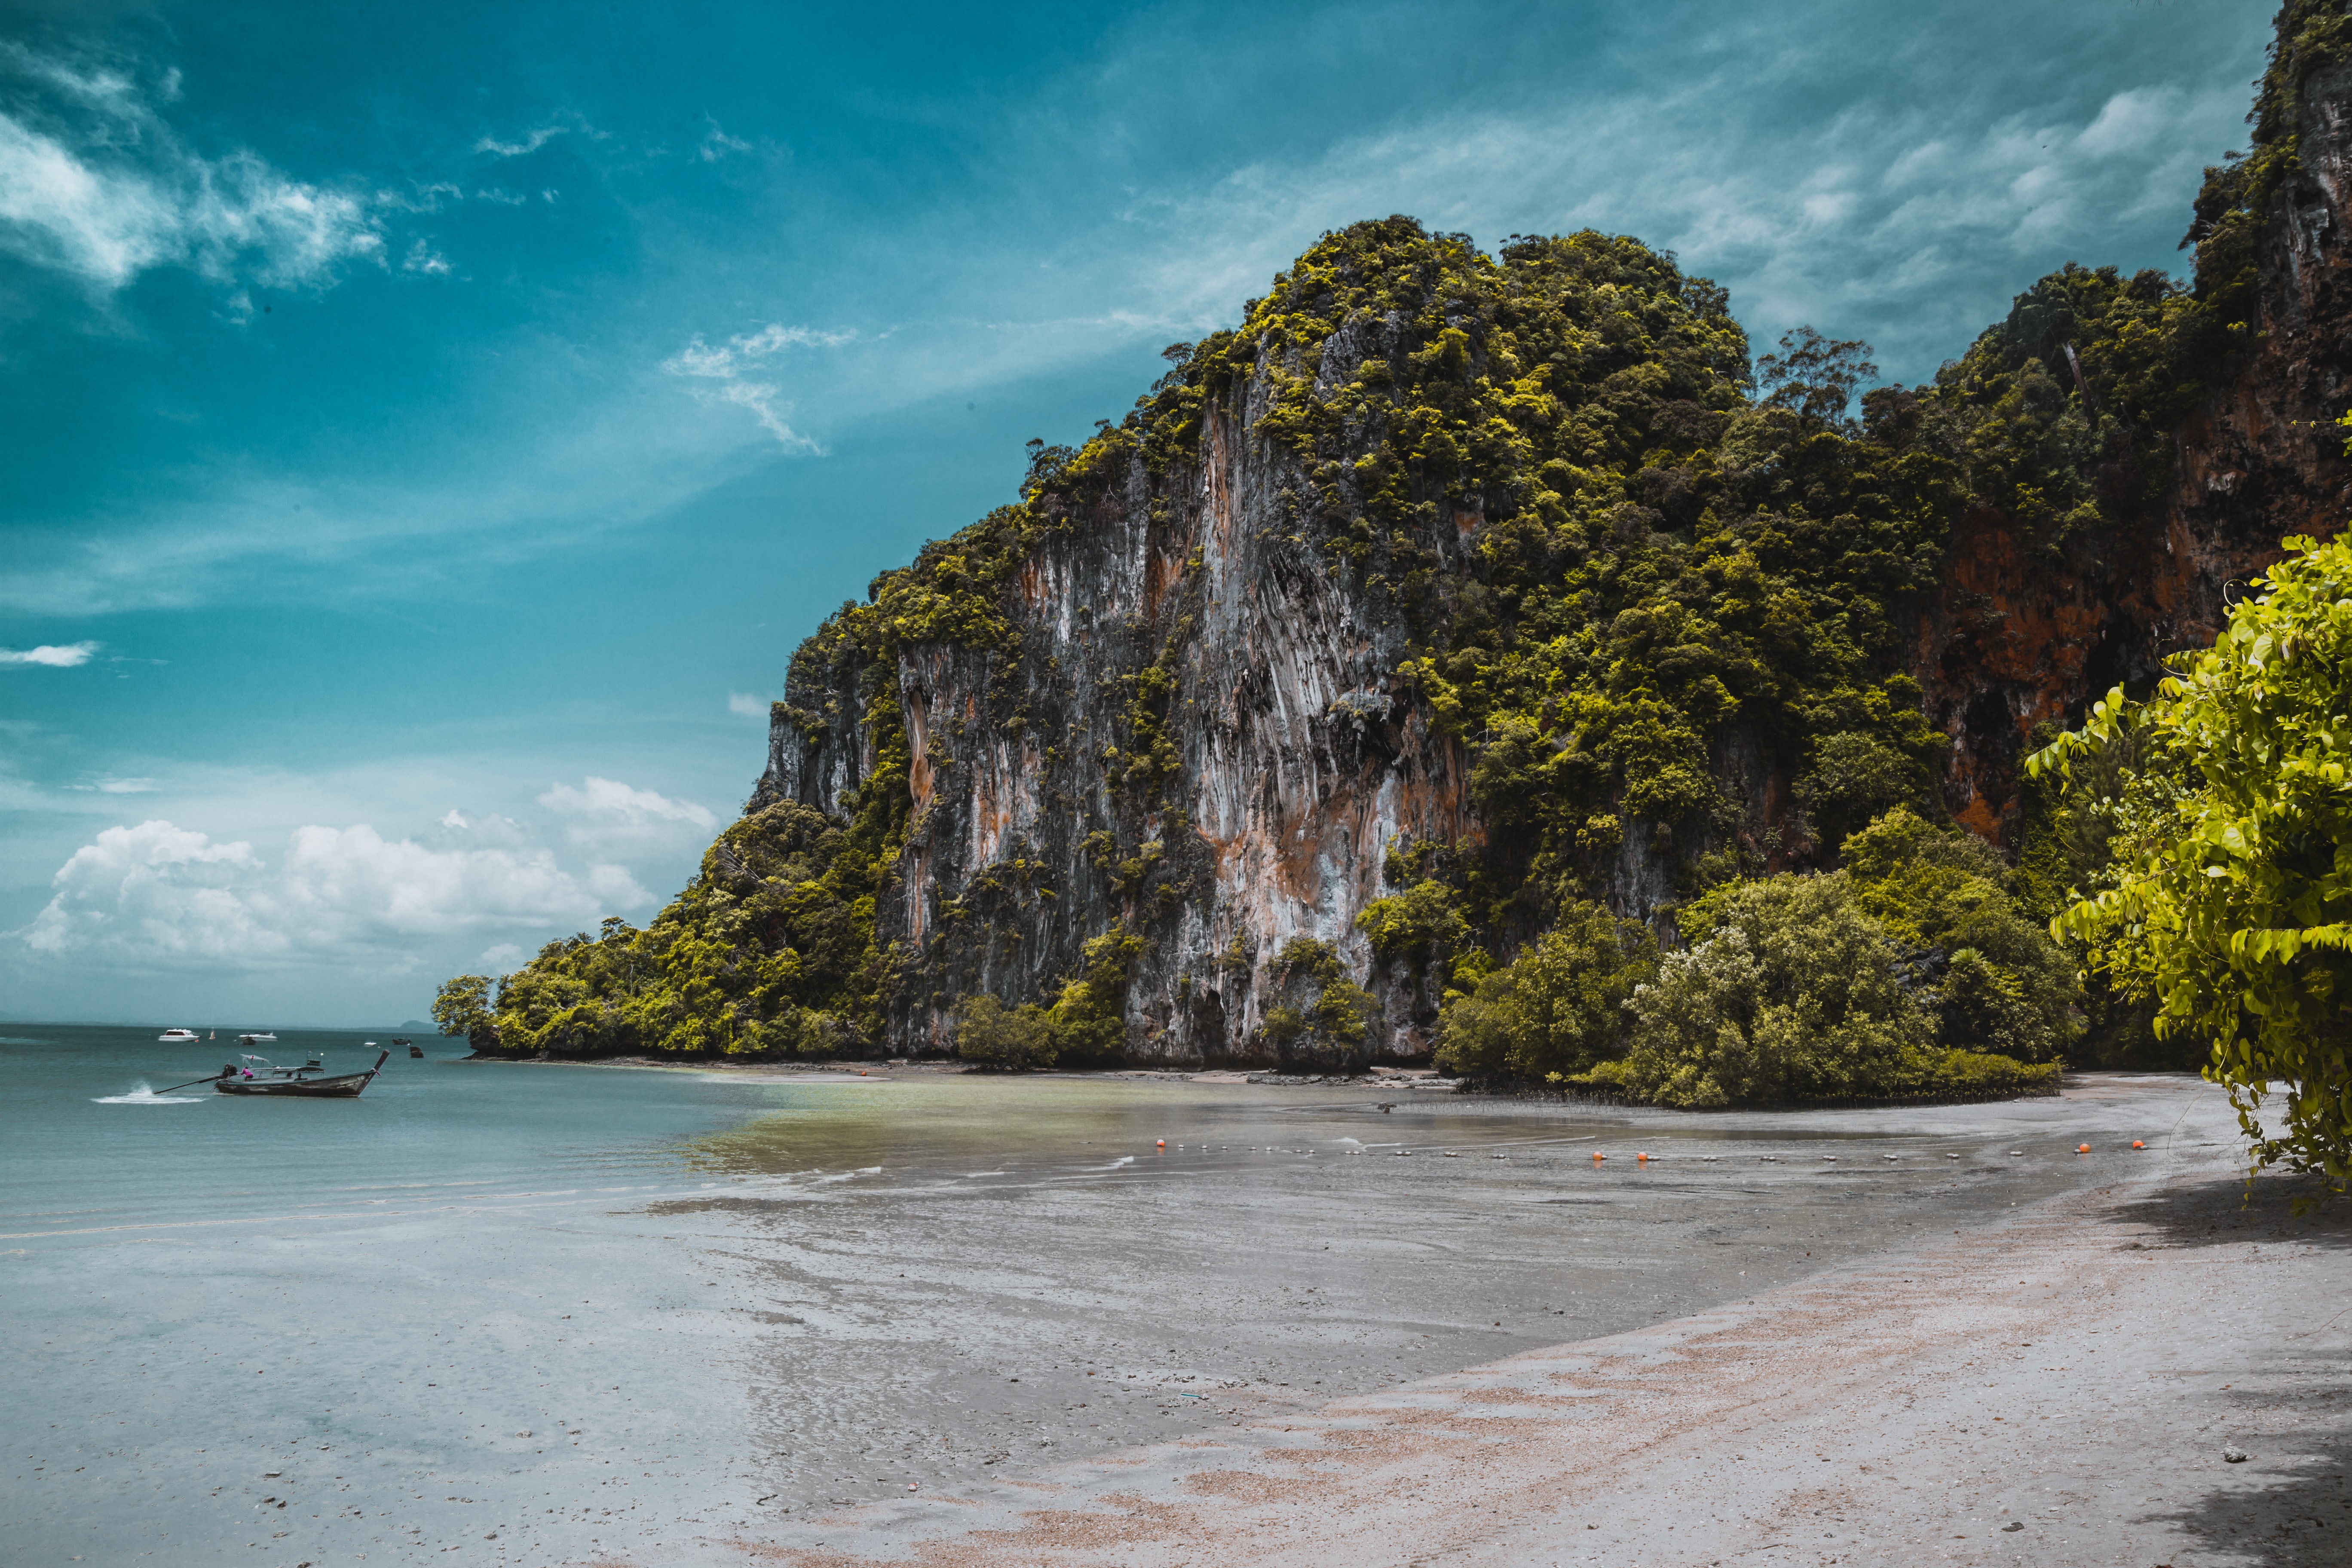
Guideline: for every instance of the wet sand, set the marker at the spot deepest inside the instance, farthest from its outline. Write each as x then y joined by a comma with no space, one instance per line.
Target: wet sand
2052,1385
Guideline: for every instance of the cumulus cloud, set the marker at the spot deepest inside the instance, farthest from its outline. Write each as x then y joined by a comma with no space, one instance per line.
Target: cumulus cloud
749,704
48,656
95,183
161,896
733,367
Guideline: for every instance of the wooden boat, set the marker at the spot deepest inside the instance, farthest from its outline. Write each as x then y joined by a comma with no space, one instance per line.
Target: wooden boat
259,1077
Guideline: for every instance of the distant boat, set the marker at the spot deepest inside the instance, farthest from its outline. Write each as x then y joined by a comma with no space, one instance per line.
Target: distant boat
269,1080
264,1038
178,1037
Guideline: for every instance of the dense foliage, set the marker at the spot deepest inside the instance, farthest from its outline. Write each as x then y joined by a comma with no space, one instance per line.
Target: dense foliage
2229,897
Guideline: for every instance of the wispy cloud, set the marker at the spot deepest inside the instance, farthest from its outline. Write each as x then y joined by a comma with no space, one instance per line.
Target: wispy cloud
67,655
718,145
96,184
749,704
531,141
733,363
422,257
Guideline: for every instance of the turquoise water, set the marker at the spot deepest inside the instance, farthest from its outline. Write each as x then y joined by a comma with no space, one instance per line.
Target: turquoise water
511,1313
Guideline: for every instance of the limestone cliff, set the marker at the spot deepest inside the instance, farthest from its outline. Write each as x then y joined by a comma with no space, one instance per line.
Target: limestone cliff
1302,748
1449,592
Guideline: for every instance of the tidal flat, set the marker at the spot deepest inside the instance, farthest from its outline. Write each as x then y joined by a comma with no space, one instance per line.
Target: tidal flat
507,1313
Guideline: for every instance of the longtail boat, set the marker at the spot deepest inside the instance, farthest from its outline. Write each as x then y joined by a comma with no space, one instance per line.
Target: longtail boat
259,1076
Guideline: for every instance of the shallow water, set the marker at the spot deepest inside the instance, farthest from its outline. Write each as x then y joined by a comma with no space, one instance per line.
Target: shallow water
501,1313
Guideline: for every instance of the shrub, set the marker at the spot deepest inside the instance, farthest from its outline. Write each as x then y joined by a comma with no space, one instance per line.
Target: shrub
1558,1007
991,1035
1796,997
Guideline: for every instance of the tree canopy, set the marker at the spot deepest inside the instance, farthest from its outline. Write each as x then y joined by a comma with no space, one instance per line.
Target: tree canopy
2229,899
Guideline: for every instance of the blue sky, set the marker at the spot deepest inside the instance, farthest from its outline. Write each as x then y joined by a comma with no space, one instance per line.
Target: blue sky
429,429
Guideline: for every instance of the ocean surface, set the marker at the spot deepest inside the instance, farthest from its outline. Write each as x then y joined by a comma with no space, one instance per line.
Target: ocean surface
495,1313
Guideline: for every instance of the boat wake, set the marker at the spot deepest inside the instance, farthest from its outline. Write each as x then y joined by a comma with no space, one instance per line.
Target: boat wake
143,1095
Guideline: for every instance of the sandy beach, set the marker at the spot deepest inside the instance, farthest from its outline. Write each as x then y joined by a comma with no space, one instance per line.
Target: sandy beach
2062,1385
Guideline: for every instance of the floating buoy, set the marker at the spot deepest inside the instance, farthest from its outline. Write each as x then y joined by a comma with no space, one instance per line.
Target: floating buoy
1163,1143
1598,1156
2138,1144
2081,1147
1643,1155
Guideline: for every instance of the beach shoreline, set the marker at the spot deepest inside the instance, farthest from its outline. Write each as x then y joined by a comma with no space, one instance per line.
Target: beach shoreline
2059,1386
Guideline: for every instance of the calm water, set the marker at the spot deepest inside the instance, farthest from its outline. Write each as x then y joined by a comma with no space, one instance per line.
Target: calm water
507,1313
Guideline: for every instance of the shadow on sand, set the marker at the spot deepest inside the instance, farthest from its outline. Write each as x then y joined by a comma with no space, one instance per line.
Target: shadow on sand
2291,1506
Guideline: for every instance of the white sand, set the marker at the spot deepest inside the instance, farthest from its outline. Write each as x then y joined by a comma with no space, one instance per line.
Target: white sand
2076,1370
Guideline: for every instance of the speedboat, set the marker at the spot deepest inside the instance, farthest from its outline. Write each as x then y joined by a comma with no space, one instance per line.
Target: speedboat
178,1037
259,1076
264,1038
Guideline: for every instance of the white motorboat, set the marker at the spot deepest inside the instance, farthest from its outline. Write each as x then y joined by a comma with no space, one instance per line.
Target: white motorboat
178,1037
264,1038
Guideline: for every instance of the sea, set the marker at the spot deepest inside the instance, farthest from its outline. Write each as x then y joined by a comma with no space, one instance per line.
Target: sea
497,1312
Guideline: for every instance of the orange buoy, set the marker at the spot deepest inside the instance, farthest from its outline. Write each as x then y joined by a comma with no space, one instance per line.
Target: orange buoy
1642,1155
1163,1143
1598,1156
2081,1147
2138,1144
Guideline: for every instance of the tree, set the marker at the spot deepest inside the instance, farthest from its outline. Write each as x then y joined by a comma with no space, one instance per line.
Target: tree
1814,375
463,1007
2229,902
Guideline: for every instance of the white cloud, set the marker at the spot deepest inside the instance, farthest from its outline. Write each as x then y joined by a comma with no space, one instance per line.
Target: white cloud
126,786
612,799
728,364
102,188
160,896
66,657
505,956
530,142
606,816
749,704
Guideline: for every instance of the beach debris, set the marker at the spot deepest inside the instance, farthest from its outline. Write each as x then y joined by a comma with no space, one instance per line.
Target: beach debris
1892,1156
2233,1456
1451,1155
2017,1151
2014,1525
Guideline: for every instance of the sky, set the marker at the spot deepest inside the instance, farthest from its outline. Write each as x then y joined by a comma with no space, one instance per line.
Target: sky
426,431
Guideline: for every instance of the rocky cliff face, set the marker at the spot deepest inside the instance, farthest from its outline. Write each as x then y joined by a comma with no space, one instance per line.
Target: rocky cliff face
1298,756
